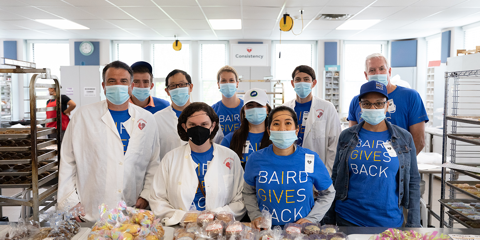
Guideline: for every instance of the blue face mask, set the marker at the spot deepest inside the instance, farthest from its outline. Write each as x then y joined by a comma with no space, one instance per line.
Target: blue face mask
228,89
381,78
373,116
256,116
283,139
180,96
117,94
303,89
141,93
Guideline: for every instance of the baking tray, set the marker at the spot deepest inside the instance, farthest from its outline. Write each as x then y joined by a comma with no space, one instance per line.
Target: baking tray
461,137
458,220
16,133
41,156
29,185
40,170
445,201
465,119
43,144
450,183
468,173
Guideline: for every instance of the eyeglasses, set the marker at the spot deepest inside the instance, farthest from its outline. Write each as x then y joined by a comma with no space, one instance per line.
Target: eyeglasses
368,105
180,85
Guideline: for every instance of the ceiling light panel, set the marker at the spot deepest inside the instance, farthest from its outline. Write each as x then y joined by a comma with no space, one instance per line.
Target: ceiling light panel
226,24
358,24
61,23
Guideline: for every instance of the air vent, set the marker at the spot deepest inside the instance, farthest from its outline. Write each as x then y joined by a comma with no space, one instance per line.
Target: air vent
333,17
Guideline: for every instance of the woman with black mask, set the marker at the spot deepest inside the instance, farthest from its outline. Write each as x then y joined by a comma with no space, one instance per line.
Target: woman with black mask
199,170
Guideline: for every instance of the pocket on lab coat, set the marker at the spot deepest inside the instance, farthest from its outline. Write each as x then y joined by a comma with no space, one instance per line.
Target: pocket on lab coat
318,129
228,181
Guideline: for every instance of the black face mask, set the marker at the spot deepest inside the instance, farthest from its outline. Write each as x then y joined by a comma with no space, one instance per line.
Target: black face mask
199,135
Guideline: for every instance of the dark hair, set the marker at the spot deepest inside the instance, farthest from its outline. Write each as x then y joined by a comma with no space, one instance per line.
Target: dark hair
172,73
241,134
189,111
142,69
279,109
305,69
117,64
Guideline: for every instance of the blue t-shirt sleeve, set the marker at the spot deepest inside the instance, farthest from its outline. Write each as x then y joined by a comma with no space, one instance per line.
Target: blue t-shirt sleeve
251,170
418,113
227,140
352,111
321,177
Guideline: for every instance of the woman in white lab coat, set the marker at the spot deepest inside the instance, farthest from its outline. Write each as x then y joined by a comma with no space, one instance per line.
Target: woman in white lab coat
176,184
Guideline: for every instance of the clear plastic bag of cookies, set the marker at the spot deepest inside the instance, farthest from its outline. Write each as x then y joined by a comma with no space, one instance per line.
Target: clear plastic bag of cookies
189,217
266,222
234,229
215,229
265,235
225,217
205,217
311,228
293,228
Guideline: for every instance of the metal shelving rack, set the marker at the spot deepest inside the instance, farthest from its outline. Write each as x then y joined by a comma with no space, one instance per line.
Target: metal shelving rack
461,136
331,89
42,161
430,93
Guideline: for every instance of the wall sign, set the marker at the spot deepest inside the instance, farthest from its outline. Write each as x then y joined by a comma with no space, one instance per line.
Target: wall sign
89,91
249,55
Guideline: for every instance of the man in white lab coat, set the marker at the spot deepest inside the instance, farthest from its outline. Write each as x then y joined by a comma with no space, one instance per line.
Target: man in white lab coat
110,150
178,85
318,119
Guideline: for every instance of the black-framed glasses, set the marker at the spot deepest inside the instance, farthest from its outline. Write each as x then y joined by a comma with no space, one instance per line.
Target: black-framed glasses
180,85
368,105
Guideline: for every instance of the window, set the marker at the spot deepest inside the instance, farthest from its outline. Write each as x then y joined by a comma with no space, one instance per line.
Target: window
127,52
434,48
165,59
472,37
293,54
213,56
354,67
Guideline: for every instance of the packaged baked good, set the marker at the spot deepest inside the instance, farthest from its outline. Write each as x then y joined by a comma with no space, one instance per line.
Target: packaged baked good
189,217
234,229
320,236
265,235
266,222
311,228
205,218
225,217
293,228
182,234
326,229
247,235
215,229
287,236
337,236
192,228
435,236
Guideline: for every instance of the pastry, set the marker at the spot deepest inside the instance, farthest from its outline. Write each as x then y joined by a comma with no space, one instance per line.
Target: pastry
205,217
329,229
185,236
318,237
292,228
311,228
234,228
190,217
214,229
338,236
226,217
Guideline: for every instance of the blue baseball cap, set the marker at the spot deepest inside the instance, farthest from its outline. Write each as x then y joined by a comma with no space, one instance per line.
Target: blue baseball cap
142,64
373,86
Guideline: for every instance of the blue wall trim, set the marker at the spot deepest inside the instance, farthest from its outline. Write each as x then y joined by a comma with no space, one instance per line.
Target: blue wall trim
93,59
10,49
404,53
446,38
330,53
250,42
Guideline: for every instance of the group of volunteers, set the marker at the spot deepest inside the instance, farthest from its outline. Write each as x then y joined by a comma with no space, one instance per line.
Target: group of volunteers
242,155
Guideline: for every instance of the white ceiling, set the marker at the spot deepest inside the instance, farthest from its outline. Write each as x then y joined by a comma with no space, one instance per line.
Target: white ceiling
162,19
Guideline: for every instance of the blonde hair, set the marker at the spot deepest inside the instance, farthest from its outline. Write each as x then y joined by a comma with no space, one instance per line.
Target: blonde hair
227,68
375,55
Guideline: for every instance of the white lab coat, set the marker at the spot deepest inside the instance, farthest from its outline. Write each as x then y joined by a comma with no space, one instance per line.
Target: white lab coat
167,122
176,182
93,167
322,130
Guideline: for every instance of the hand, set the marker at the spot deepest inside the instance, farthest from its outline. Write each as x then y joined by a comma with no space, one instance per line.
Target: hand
256,223
302,221
66,113
79,211
141,203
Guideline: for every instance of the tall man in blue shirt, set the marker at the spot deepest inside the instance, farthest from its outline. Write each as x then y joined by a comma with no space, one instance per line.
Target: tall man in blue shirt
405,106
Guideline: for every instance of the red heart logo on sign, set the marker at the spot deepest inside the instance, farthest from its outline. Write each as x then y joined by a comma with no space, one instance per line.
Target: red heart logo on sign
228,165
141,126
249,50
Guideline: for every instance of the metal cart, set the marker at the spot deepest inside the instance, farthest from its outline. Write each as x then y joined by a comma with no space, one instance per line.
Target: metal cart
25,163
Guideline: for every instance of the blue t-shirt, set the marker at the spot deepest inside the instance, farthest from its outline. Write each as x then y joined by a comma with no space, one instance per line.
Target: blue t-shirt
405,108
253,143
119,117
372,199
284,184
302,110
159,105
177,112
201,159
229,117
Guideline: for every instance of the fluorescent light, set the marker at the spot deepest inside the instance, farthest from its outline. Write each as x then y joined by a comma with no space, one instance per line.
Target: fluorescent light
358,24
226,24
61,23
